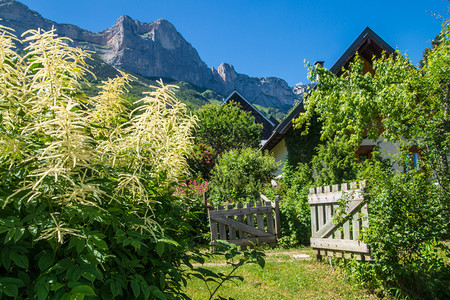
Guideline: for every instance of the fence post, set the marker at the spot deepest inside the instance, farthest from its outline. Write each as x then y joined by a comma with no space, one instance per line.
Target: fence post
213,228
276,206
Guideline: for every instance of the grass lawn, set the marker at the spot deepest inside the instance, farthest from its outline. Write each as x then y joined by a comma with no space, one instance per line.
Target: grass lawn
283,277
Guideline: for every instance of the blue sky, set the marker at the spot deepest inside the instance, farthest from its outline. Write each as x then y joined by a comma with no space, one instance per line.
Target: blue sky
266,38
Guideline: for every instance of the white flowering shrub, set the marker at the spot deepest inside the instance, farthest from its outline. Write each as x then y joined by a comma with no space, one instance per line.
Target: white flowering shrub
86,184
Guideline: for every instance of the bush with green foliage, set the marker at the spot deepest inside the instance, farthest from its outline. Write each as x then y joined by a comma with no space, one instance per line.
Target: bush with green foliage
240,175
226,127
407,225
295,212
408,212
87,203
334,163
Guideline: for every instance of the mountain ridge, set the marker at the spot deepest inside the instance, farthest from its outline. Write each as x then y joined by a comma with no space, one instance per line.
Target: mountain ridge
155,49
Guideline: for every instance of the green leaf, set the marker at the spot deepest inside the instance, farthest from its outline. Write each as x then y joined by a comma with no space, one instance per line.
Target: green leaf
45,261
83,290
11,290
159,249
145,290
207,272
6,260
76,297
76,275
19,259
43,290
19,233
10,235
80,245
157,293
169,242
88,276
33,230
3,229
261,261
115,289
135,287
56,286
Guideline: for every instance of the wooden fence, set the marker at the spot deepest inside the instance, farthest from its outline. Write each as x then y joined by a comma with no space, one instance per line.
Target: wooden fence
243,226
334,235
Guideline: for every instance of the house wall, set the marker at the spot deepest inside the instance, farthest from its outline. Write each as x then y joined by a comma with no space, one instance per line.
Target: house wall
387,149
280,153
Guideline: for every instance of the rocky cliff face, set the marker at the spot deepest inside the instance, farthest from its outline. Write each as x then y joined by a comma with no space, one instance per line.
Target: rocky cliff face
154,50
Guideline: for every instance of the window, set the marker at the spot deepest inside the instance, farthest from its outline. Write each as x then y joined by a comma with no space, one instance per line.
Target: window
364,152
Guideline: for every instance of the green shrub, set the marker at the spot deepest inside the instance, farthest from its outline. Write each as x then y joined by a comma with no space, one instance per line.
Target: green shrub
294,208
240,175
87,195
407,225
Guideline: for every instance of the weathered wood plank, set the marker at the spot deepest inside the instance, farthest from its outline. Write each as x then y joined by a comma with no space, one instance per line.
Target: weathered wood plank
320,218
329,227
231,223
344,187
250,218
242,211
222,229
213,229
335,188
333,197
346,227
365,216
328,212
313,219
340,245
356,229
276,207
241,226
241,219
264,199
270,225
231,230
254,240
260,218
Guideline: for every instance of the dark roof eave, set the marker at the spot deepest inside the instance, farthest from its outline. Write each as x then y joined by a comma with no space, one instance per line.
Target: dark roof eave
251,105
348,54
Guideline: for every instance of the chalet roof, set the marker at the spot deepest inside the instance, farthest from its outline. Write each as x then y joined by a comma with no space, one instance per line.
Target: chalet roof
268,124
235,94
368,44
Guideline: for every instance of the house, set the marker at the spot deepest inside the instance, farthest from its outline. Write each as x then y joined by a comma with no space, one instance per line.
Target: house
367,45
260,118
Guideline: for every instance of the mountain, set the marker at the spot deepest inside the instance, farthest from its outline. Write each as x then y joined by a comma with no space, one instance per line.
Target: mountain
155,49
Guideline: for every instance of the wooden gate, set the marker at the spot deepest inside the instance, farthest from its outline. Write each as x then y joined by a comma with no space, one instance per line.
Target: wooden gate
247,225
332,236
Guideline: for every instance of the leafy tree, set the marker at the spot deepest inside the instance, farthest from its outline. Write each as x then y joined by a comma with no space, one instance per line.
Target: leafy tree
409,211
241,174
226,127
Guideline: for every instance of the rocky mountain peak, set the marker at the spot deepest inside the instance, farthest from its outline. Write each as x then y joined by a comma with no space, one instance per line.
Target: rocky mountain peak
226,72
154,49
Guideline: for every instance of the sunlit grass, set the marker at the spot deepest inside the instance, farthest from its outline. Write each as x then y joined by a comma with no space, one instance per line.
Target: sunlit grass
283,277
